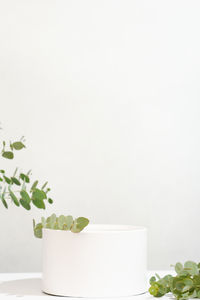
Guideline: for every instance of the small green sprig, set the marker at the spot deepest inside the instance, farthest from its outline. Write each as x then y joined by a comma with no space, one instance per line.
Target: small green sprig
8,151
185,285
60,223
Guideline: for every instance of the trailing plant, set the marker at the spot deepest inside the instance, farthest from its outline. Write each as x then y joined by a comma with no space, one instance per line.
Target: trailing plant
185,285
60,223
27,193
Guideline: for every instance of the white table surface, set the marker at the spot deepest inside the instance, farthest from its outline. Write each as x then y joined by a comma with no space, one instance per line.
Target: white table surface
28,286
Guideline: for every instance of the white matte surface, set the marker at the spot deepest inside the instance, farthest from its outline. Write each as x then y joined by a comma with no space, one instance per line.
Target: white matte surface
28,286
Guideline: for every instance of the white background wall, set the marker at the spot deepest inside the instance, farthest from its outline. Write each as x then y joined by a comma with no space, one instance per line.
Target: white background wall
107,94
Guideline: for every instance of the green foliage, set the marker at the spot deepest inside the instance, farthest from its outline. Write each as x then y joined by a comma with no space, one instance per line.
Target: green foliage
50,200
24,177
13,197
8,154
37,229
60,223
8,150
3,199
79,224
185,285
24,196
18,145
25,204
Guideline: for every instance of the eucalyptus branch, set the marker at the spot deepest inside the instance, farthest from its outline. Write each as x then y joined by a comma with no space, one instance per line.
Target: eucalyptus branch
60,223
185,285
26,195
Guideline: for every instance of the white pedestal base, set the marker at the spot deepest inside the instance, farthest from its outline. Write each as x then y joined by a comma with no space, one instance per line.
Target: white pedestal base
101,261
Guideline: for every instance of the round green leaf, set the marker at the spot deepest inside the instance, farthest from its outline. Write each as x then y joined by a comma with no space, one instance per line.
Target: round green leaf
39,194
61,221
179,285
8,154
25,196
68,222
25,204
38,203
18,145
52,220
178,267
79,224
191,267
82,222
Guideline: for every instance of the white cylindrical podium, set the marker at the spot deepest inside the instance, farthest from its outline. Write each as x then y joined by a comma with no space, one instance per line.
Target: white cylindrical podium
100,261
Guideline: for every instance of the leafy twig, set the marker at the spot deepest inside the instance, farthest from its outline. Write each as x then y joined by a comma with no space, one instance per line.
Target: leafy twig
60,223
